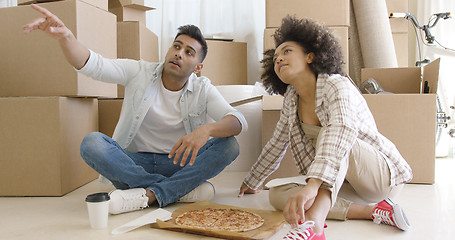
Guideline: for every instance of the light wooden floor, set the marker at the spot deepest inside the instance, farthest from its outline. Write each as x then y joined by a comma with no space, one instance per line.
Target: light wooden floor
430,209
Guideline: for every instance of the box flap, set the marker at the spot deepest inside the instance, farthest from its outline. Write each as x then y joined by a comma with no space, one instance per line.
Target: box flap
136,4
395,80
28,2
237,95
431,74
274,102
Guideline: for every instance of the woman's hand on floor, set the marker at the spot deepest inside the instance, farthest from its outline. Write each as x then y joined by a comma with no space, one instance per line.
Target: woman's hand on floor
245,189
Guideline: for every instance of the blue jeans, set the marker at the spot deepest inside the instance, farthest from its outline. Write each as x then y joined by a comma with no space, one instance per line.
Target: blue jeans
169,182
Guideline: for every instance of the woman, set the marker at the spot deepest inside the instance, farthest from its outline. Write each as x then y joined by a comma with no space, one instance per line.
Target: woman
332,136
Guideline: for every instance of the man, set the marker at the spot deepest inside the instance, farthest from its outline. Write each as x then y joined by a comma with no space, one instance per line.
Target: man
162,149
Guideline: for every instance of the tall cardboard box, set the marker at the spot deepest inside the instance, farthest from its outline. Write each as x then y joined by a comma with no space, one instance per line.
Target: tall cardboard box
226,63
329,12
407,118
40,144
135,41
129,10
339,31
34,64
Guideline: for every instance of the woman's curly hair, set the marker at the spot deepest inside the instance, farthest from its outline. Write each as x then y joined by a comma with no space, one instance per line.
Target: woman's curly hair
313,37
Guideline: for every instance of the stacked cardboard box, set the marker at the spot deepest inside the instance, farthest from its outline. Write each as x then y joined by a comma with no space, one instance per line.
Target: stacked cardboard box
336,17
129,10
399,115
34,65
134,39
399,28
226,63
48,106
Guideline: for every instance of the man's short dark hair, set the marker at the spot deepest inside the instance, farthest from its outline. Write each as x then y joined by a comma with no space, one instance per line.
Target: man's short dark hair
195,33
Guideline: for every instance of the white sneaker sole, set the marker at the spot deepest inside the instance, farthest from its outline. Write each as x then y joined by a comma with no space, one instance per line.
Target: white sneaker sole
398,215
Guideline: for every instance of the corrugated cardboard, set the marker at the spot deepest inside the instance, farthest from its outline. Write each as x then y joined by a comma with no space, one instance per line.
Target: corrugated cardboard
135,41
340,32
40,141
329,12
407,118
109,113
226,63
129,10
34,64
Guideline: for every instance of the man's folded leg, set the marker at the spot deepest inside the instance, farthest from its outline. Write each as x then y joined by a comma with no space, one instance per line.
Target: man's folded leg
216,154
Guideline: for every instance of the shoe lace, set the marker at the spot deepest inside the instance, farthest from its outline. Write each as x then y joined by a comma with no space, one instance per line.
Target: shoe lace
301,232
382,216
134,201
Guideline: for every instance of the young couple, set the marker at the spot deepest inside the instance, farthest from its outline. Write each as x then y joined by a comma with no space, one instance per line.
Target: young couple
164,151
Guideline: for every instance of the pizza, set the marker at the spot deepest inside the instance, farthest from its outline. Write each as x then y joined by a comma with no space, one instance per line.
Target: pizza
234,220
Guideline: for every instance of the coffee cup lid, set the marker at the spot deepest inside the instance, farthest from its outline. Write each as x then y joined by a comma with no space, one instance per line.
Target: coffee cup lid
98,197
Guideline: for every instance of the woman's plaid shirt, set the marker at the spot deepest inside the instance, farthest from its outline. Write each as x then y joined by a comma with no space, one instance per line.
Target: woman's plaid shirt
344,113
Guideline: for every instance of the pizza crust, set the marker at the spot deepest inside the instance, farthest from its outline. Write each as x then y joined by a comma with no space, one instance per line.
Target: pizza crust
215,219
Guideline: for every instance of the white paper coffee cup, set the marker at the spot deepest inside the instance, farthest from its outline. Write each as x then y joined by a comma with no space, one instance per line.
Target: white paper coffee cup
98,209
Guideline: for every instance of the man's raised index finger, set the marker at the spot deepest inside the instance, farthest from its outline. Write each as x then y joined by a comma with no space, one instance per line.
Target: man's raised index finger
42,10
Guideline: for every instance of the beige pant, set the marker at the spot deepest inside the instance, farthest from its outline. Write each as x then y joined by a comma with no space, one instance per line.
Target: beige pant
363,178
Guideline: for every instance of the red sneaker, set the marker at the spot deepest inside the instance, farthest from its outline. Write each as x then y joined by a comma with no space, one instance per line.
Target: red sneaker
390,213
304,232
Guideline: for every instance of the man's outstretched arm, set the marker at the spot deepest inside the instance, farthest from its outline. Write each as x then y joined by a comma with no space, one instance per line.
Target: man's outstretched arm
76,53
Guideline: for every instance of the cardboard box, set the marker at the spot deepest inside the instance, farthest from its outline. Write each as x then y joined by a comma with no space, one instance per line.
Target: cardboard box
109,114
408,118
97,3
340,32
329,12
226,63
34,64
40,144
129,10
135,41
397,116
